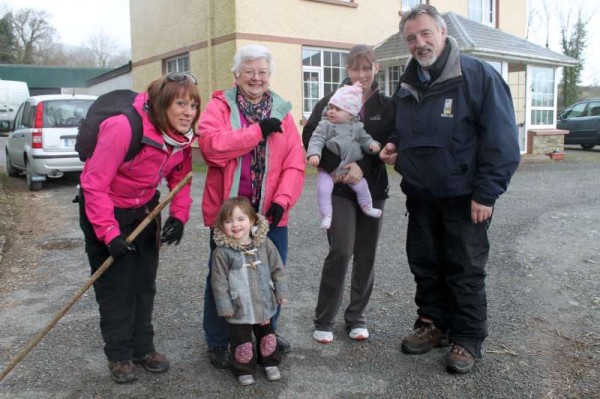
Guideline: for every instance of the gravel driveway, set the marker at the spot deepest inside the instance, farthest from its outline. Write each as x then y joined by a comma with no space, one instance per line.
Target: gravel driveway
543,292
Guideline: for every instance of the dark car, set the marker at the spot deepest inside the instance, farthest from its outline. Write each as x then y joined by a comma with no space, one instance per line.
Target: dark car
582,120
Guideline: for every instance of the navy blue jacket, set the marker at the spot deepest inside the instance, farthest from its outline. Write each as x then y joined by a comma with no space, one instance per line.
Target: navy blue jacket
457,136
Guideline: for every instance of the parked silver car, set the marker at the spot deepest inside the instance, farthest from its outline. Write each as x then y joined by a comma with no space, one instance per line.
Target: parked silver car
42,138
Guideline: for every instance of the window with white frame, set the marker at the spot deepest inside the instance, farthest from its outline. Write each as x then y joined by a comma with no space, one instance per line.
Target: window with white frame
178,64
542,96
394,73
483,11
408,4
322,72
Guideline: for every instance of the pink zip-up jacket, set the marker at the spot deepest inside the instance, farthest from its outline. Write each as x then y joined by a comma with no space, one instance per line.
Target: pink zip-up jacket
223,141
108,182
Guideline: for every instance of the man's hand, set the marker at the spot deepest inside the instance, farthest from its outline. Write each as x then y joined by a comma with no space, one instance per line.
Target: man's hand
480,213
352,177
388,154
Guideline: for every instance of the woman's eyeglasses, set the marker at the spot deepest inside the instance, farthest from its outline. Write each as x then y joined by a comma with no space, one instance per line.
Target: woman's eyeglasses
181,76
178,77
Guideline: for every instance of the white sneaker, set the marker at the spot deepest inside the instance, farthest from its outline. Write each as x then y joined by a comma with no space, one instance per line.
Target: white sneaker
359,334
324,337
326,222
272,373
246,379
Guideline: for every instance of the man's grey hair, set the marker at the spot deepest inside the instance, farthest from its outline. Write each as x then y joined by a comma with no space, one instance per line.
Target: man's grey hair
251,52
422,9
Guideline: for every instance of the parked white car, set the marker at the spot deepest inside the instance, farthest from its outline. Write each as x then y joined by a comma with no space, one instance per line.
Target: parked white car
42,138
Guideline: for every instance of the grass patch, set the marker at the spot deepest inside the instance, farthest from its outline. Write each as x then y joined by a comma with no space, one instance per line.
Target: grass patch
5,206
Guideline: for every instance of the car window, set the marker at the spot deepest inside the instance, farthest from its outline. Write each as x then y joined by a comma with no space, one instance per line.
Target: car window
65,113
19,117
576,111
593,108
28,116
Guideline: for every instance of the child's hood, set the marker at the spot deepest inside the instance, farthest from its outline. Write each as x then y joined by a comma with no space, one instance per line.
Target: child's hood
259,235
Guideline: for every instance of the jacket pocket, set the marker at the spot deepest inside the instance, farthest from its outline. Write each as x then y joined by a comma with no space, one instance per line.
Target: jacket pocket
428,165
238,309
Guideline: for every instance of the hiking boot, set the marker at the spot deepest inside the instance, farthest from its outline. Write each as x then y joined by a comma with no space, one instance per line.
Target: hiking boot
459,360
283,344
424,338
153,362
122,371
219,357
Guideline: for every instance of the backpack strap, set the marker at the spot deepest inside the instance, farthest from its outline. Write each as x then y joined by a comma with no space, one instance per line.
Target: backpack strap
137,132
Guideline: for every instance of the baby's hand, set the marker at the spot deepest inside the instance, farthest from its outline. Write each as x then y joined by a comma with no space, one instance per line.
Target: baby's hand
375,147
313,160
228,315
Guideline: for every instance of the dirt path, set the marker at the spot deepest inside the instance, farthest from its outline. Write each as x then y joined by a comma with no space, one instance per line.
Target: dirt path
543,292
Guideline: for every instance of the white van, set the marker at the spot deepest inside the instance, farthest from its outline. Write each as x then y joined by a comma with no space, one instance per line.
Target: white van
12,95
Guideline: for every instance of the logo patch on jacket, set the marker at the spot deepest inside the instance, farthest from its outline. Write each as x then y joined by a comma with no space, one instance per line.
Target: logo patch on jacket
375,118
447,113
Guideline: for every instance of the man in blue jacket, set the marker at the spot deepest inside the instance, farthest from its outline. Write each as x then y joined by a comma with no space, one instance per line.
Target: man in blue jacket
456,147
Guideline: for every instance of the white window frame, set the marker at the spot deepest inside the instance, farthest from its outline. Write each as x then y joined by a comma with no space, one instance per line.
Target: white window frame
483,11
181,63
407,5
321,70
535,104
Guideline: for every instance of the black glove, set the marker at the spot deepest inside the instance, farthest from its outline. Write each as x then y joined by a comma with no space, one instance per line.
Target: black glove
118,247
172,231
275,212
268,126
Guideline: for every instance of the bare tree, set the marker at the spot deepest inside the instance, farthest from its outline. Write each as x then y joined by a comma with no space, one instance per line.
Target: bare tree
32,30
106,49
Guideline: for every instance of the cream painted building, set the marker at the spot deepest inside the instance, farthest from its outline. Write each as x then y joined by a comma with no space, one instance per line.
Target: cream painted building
310,40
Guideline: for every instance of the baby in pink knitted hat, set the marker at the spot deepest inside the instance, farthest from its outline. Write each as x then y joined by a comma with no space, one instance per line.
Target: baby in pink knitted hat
342,133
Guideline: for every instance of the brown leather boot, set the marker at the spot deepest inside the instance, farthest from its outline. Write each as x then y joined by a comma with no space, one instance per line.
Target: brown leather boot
424,338
122,371
154,362
459,360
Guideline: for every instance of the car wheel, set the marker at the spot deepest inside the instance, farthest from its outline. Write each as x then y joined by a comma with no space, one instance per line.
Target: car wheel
10,169
33,185
587,146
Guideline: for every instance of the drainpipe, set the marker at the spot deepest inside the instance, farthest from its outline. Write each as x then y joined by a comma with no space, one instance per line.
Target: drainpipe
209,61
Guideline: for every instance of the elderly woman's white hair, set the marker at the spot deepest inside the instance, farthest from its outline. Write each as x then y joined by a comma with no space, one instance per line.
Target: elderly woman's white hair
251,52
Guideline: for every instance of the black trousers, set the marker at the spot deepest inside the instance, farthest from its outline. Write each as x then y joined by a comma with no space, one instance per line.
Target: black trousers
125,291
447,254
241,334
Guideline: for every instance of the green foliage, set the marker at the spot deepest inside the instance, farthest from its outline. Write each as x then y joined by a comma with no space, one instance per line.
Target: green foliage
7,40
574,43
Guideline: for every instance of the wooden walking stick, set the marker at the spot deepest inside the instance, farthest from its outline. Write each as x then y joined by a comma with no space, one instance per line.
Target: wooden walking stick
92,279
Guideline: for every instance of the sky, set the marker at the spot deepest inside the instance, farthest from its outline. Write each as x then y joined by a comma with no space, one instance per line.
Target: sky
76,20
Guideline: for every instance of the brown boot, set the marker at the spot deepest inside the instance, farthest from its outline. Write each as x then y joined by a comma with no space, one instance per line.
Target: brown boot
459,360
425,337
122,371
154,362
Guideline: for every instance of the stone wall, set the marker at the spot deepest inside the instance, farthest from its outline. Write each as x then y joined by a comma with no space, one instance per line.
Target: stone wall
542,142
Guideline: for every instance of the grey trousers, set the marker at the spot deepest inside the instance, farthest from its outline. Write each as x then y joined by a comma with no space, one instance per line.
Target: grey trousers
351,233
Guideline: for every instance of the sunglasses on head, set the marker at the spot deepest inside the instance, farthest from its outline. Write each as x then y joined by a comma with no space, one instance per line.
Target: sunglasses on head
178,77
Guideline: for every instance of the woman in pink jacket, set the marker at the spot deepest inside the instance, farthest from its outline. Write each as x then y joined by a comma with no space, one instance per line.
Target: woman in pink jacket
116,195
250,143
